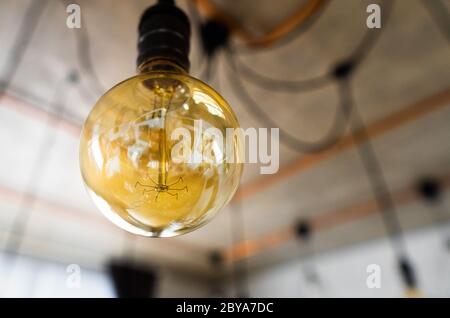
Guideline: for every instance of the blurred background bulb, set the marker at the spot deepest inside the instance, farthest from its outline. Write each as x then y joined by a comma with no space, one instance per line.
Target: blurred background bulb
126,153
127,143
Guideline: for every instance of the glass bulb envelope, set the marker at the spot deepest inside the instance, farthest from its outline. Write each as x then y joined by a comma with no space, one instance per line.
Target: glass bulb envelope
152,157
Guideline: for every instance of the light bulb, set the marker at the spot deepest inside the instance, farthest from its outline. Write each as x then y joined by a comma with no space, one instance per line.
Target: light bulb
127,151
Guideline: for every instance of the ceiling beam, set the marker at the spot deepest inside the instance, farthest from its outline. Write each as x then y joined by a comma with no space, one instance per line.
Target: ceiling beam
408,114
25,108
321,222
88,217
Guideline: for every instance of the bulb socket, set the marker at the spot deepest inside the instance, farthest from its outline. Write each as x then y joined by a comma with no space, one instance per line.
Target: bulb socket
164,33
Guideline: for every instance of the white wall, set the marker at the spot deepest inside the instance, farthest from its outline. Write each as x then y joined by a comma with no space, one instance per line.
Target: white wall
27,277
343,273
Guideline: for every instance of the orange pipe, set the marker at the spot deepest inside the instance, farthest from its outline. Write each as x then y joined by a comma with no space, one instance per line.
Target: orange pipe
282,29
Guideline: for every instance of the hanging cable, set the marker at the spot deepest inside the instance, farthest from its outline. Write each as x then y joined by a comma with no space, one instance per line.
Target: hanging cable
331,137
274,84
22,40
440,16
371,36
375,175
341,117
383,196
344,73
84,55
215,33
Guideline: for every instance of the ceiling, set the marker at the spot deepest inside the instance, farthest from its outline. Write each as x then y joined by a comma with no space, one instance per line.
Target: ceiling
408,64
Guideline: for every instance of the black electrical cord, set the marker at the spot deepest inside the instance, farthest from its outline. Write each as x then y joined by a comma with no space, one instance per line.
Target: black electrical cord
22,40
341,118
274,84
344,73
84,56
383,196
331,137
440,16
371,36
287,39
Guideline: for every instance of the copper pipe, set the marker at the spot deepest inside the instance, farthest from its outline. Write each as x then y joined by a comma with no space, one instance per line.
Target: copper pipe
279,31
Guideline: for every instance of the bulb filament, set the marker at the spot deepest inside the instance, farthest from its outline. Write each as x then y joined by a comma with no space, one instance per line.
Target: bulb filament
161,186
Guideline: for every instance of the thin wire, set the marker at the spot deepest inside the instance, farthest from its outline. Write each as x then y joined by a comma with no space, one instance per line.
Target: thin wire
374,172
275,84
440,16
341,117
366,151
371,36
319,81
22,40
84,55
36,100
331,137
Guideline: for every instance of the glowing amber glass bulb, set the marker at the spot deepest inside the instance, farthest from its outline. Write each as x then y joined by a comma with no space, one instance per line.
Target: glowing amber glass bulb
127,152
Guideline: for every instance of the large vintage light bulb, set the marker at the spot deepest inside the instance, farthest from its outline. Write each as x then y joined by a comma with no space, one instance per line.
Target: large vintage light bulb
150,152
